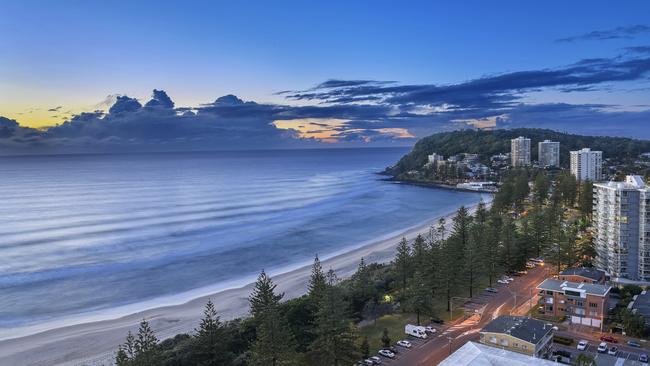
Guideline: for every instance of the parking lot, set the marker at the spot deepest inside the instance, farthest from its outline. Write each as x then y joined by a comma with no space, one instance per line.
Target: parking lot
603,359
416,343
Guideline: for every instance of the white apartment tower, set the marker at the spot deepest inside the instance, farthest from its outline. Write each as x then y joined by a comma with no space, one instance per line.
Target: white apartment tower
548,153
434,158
520,151
587,165
622,228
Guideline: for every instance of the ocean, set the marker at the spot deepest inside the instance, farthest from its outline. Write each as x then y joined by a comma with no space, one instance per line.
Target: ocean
84,234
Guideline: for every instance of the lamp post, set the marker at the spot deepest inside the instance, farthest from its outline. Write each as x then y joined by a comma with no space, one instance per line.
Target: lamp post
451,305
450,340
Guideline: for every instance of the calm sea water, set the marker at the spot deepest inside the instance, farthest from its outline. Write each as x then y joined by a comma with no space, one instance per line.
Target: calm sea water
84,234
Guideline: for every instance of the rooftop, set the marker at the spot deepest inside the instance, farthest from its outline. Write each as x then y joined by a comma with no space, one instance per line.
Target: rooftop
526,329
631,182
591,273
475,354
641,303
596,289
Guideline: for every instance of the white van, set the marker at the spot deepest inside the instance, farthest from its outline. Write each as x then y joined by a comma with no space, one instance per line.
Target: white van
415,331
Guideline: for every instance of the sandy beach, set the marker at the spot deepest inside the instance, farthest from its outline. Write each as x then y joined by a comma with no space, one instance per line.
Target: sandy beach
94,343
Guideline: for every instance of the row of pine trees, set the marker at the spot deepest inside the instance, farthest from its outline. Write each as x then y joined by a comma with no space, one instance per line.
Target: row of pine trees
453,260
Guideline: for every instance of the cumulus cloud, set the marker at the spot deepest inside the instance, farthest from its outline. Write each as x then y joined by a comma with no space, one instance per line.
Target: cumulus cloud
124,104
629,32
160,99
354,112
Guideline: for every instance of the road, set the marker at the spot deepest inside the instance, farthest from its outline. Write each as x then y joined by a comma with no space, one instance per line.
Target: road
449,338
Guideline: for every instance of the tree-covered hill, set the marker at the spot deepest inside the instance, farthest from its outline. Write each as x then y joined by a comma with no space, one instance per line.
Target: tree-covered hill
488,143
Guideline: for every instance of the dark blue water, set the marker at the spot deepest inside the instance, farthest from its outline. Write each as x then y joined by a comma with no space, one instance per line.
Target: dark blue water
90,233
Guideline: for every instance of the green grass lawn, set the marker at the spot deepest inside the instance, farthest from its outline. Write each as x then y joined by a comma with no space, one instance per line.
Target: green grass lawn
395,324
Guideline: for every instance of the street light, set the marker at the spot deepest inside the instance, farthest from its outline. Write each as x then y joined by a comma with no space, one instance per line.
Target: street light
451,305
450,340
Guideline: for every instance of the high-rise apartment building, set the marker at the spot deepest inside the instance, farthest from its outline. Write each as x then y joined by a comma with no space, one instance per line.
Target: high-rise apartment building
520,151
548,153
587,165
621,223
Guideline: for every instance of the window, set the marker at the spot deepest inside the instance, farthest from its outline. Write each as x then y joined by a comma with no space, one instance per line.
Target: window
504,342
593,305
493,340
549,292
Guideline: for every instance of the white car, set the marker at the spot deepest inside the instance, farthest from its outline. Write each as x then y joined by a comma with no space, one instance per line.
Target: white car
582,345
404,343
613,351
602,347
504,282
386,353
430,329
506,278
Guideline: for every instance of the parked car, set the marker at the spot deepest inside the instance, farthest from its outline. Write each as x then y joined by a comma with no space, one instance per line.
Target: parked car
506,278
393,349
582,345
608,338
503,282
430,329
634,344
404,343
375,359
437,320
613,351
386,353
492,290
521,273
368,362
602,347
643,357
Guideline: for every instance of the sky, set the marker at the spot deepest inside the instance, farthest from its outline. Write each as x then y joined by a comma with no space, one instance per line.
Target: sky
301,74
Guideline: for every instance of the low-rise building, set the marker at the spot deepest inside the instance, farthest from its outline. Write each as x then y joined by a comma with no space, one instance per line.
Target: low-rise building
476,354
583,274
583,303
640,304
518,334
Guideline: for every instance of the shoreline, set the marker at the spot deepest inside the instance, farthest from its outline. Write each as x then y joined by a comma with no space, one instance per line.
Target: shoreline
416,183
94,342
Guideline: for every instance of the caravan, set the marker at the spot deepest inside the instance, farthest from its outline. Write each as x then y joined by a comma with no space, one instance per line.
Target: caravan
415,331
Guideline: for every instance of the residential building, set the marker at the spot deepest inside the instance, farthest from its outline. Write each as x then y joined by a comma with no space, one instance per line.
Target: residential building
583,274
581,302
529,336
520,151
621,226
470,158
548,153
434,158
476,354
587,165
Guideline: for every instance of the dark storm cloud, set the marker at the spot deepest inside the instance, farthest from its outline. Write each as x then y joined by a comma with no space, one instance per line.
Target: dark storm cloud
616,33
